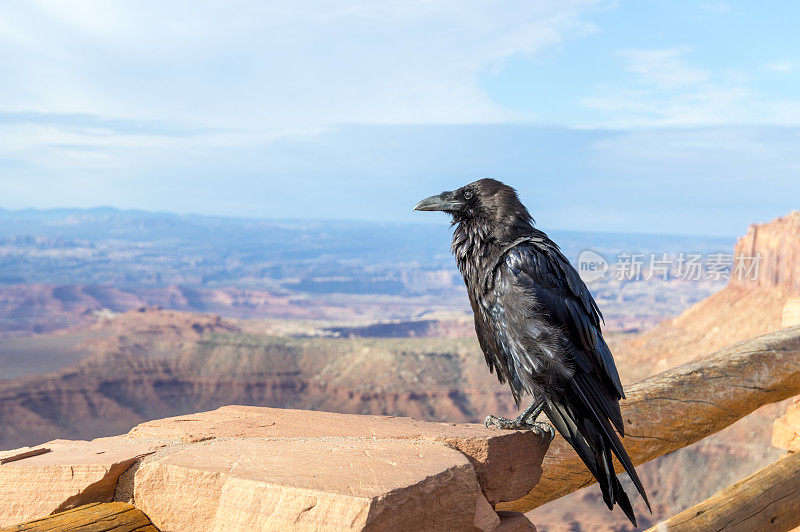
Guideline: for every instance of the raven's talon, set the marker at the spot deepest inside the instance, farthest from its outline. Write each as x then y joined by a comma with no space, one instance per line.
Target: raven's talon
505,423
544,430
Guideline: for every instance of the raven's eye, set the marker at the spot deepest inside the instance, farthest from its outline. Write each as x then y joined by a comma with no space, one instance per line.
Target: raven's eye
467,194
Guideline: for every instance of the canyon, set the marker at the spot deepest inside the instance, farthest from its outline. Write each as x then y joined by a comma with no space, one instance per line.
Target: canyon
85,361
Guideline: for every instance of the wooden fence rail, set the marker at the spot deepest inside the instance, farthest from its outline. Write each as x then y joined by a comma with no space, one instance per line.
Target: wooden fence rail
683,405
769,499
94,517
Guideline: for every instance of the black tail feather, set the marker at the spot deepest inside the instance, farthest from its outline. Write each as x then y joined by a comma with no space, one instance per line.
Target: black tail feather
589,432
609,408
612,439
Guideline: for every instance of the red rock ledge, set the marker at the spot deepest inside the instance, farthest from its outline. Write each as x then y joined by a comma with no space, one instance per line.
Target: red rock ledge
254,468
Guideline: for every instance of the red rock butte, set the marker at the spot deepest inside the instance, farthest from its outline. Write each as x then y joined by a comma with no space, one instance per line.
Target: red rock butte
777,244
754,302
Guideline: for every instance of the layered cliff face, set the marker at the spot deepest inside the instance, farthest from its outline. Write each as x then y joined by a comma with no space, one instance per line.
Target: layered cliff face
776,246
761,297
152,363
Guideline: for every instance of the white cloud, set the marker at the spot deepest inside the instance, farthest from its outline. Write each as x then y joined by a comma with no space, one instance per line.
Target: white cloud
146,84
666,69
719,7
270,66
665,89
781,66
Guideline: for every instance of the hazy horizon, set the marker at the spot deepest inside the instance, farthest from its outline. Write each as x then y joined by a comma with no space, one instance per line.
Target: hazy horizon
439,220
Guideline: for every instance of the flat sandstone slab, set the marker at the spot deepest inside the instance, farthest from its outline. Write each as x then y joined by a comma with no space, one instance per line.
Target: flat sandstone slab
34,484
309,484
253,468
507,463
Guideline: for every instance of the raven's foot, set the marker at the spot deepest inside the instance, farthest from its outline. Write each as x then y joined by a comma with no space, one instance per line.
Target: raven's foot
545,430
507,424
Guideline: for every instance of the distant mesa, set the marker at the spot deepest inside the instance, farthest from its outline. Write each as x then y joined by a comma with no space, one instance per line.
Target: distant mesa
137,366
777,244
450,326
151,308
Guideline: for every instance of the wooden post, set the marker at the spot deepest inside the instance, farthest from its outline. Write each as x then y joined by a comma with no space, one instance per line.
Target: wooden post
683,405
769,499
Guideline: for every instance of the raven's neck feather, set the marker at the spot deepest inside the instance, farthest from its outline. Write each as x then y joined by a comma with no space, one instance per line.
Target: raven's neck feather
477,242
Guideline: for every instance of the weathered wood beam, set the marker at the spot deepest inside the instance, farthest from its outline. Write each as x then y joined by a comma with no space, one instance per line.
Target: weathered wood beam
769,499
683,405
95,517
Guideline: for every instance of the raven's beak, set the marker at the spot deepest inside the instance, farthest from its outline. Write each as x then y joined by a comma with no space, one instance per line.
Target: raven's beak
445,201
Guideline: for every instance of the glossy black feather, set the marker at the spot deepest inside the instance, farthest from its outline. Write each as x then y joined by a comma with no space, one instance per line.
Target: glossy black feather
539,328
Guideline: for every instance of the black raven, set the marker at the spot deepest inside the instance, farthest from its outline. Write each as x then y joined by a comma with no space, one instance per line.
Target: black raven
539,328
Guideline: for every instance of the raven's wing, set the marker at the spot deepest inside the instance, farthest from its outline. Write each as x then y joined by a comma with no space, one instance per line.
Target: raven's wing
495,358
564,298
546,327
536,273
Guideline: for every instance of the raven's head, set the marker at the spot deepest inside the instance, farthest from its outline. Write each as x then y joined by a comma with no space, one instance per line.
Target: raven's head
486,201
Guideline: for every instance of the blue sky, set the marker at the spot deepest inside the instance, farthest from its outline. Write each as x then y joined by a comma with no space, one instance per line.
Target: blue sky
645,116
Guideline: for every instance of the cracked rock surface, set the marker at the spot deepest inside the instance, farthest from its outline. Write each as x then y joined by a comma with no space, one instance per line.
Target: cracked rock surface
255,468
62,474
